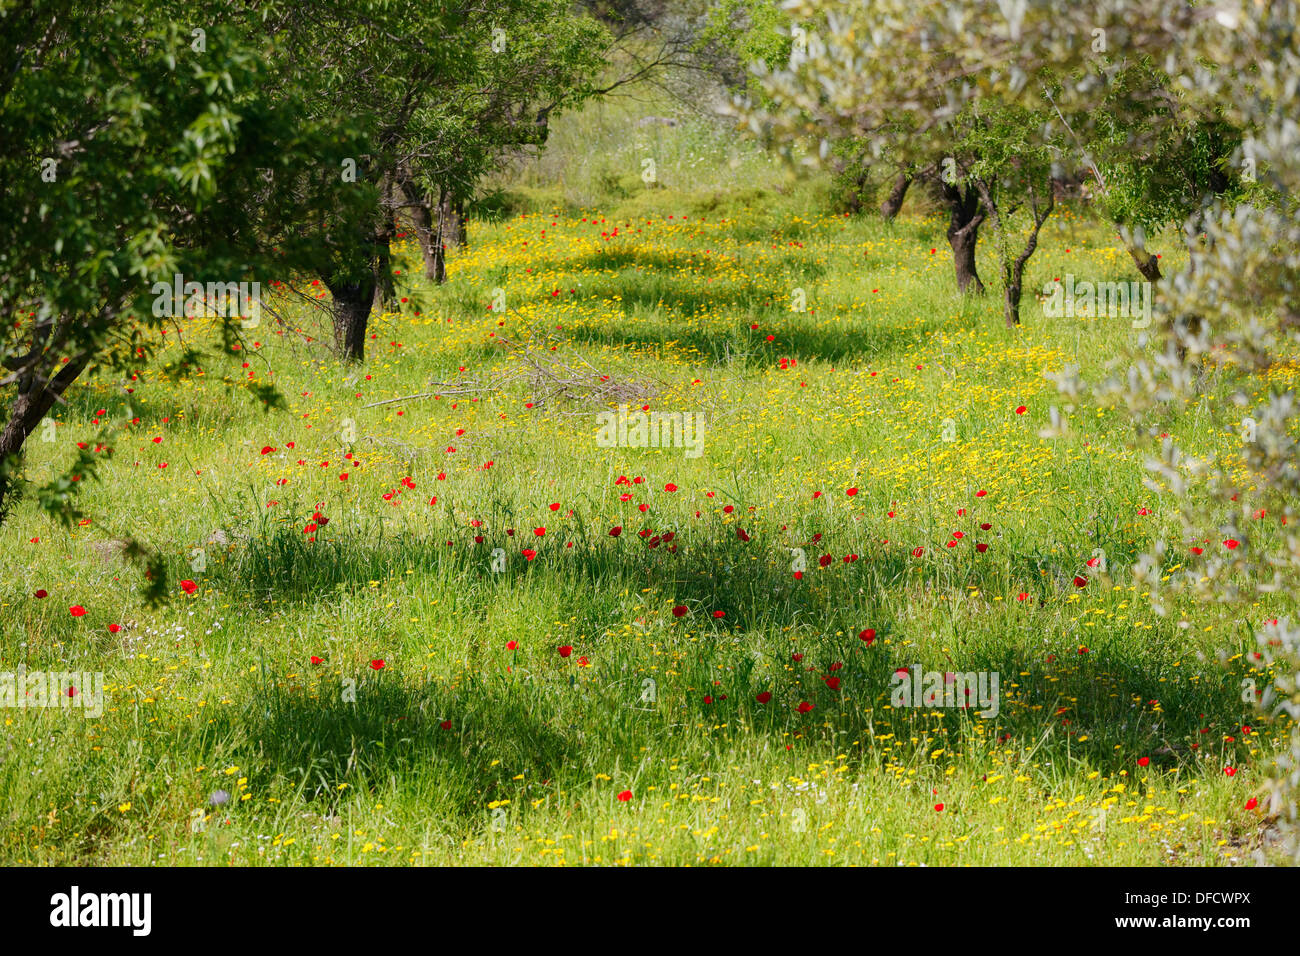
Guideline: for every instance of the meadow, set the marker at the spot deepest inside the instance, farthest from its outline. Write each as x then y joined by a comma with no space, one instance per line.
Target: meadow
422,616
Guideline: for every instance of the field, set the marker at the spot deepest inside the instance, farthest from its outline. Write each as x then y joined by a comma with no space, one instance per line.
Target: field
424,615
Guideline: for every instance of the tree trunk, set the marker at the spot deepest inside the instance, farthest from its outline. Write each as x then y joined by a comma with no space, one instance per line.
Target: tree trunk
384,291
352,303
1147,263
439,243
1013,271
894,201
964,222
452,212
422,218
30,406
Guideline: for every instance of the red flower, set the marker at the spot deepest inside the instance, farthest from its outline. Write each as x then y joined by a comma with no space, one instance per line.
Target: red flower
740,533
77,610
540,532
528,554
377,664
1080,582
1252,803
764,697
615,531
42,593
188,586
445,725
670,487
566,650
511,645
917,552
804,706
1020,409
796,657
851,492
625,796
1230,771
1143,761
1023,595
317,660
679,610
868,635
719,613
114,628
938,808
981,493
267,449
1231,544
833,683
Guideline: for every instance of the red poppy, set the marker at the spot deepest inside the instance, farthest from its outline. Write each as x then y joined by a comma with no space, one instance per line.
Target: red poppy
833,683
445,725
114,628
615,531
938,808
1080,582
528,554
511,645
317,660
1020,409
719,613
1252,803
1143,761
868,635
188,586
377,664
804,706
77,610
566,650
679,610
625,796
764,697
42,593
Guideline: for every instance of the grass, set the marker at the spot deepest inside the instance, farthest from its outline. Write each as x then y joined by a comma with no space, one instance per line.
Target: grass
459,748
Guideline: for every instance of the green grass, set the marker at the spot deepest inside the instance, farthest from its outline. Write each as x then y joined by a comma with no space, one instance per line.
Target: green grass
460,750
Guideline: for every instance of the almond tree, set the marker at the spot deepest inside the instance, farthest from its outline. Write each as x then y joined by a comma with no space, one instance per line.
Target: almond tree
135,145
1235,62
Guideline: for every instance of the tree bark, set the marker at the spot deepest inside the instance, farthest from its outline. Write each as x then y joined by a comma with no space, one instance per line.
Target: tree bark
894,201
425,227
384,291
452,213
439,243
34,400
1147,263
352,303
964,222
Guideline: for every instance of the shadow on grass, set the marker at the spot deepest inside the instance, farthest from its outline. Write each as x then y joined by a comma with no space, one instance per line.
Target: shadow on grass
1063,703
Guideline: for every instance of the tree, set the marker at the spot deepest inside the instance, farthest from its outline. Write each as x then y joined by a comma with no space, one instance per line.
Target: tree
440,91
133,151
1237,63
